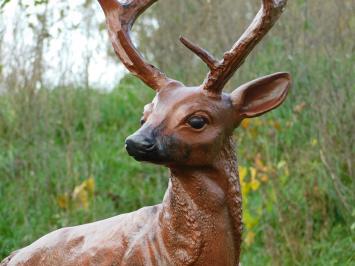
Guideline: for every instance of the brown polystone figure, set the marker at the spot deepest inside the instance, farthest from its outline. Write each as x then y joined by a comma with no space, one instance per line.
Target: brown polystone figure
189,130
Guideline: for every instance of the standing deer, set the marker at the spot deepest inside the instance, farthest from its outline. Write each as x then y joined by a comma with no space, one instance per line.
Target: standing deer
189,130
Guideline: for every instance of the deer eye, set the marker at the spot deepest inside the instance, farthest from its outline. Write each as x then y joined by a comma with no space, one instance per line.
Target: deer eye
197,122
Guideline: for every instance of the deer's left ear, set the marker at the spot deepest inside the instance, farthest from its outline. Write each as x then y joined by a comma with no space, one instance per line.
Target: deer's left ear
261,95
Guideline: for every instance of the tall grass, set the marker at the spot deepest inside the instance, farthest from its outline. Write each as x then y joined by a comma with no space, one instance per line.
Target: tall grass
51,141
298,201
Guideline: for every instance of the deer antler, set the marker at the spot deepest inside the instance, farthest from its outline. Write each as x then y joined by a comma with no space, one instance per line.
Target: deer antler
222,71
120,18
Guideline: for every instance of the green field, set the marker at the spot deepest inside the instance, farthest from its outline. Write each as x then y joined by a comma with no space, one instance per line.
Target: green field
63,162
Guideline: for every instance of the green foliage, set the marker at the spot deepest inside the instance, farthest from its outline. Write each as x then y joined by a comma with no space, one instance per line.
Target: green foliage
303,214
63,162
51,141
55,144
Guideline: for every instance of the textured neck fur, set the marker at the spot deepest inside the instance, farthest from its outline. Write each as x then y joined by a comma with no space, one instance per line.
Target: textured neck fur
202,192
229,165
183,236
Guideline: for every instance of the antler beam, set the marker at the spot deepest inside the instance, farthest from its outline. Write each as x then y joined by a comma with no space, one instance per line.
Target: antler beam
267,16
222,71
120,18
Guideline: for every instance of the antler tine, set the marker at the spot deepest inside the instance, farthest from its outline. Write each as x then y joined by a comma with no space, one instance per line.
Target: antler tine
233,59
120,18
205,56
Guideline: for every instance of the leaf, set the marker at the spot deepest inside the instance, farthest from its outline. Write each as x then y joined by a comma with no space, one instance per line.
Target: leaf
84,199
81,196
264,178
277,125
258,122
63,201
245,123
249,238
82,192
259,164
90,185
299,107
252,173
249,220
245,190
314,142
242,173
281,164
77,190
254,184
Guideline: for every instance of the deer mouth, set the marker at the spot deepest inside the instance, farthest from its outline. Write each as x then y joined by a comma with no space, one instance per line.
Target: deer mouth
142,154
150,157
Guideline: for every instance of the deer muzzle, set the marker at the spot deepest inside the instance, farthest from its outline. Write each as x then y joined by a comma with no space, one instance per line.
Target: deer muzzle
150,144
144,145
138,145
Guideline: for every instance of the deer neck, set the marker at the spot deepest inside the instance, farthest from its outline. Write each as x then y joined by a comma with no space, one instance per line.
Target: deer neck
198,195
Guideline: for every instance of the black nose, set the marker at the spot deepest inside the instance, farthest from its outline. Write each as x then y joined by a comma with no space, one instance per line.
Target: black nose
138,145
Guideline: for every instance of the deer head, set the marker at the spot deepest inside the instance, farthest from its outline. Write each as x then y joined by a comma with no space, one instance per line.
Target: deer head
188,125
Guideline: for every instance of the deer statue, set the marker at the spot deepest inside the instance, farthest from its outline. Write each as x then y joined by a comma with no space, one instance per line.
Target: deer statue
189,130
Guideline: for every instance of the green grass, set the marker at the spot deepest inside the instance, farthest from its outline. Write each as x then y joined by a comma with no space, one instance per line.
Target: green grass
53,140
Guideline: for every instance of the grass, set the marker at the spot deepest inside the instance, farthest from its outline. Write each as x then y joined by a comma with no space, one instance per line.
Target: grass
297,162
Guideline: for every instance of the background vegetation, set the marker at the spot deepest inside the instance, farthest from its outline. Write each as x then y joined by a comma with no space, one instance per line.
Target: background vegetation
62,158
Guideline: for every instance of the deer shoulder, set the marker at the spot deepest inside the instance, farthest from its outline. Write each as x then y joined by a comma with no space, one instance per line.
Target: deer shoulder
114,241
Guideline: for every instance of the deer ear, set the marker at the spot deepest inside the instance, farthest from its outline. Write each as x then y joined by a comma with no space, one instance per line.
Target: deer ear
261,95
